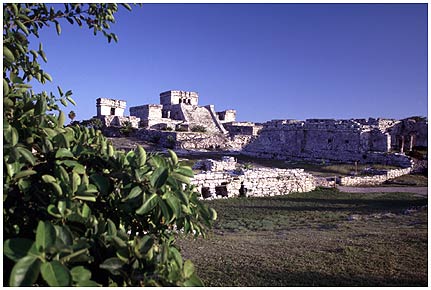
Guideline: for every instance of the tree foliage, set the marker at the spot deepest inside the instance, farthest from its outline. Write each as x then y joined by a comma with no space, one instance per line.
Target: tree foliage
77,212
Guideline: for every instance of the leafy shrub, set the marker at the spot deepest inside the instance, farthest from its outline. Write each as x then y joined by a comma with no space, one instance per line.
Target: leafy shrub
94,123
77,212
181,129
126,129
170,141
247,166
199,128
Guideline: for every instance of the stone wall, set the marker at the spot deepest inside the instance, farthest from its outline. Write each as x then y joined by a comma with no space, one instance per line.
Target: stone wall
227,116
375,179
110,107
253,183
118,121
228,163
328,140
242,128
174,97
185,140
147,111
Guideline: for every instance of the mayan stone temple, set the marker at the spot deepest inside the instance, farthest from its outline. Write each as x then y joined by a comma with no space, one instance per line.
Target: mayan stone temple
179,122
179,114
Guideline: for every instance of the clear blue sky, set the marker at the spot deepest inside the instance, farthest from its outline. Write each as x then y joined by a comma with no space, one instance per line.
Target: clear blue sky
267,61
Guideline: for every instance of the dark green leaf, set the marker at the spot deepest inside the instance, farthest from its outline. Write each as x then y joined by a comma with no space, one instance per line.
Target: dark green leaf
8,54
28,156
60,91
173,156
118,243
49,179
101,182
148,204
24,173
79,273
174,204
86,211
71,101
15,136
55,274
181,178
62,173
85,196
112,229
53,210
61,207
136,191
141,156
213,214
63,152
113,265
58,28
64,234
5,88
16,249
61,119
185,170
127,6
25,272
88,283
189,269
177,256
143,245
159,176
78,168
22,26
193,281
165,211
45,235
76,181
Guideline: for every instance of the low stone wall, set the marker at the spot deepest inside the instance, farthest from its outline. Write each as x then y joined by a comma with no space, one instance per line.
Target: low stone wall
253,183
227,164
325,181
375,179
109,120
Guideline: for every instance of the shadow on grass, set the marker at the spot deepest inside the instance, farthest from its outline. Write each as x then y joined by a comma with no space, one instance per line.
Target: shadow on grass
298,279
315,204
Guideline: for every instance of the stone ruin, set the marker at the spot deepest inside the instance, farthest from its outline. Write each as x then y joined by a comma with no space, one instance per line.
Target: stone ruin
111,112
226,179
179,110
171,124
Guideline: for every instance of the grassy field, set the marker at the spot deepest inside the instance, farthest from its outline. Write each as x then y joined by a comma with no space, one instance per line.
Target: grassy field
322,238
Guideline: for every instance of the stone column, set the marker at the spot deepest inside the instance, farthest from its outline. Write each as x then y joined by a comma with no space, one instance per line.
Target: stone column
411,142
402,144
388,142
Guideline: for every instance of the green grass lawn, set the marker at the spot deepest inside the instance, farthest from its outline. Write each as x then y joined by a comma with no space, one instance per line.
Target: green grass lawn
322,238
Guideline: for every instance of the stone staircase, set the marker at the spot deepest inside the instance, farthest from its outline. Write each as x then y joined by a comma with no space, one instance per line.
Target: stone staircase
202,116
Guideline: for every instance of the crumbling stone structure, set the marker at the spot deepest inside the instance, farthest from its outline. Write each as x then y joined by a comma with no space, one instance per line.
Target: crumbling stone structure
111,112
335,140
374,179
223,181
179,110
178,120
